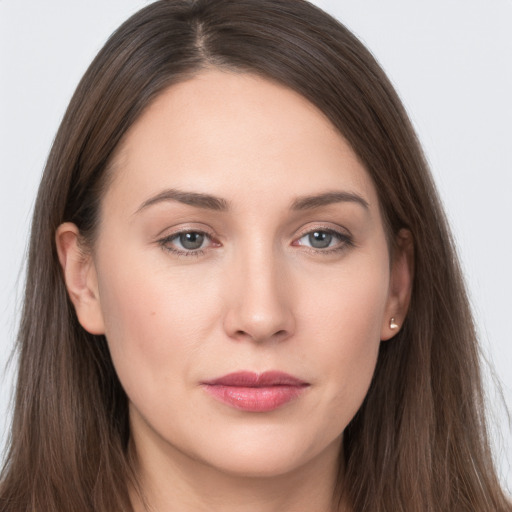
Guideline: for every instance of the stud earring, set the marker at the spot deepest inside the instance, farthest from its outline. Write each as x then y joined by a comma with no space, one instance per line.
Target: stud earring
392,324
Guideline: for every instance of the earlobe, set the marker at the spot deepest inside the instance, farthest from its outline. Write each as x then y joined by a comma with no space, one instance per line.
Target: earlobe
80,278
400,285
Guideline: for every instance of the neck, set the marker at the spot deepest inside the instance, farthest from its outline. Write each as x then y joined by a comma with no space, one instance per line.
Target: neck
173,482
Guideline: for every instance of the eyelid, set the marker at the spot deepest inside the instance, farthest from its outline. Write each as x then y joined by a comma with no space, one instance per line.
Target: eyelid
185,227
323,226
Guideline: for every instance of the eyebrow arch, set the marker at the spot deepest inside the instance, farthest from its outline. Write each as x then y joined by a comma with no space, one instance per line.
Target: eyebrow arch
196,199
315,201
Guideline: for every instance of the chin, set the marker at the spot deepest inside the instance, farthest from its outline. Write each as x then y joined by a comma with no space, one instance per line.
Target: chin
262,465
265,458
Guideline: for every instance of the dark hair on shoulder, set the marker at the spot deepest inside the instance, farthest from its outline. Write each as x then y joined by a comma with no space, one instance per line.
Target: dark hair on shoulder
419,441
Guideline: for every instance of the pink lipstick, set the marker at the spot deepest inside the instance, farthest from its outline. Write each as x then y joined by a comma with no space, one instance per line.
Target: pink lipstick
253,392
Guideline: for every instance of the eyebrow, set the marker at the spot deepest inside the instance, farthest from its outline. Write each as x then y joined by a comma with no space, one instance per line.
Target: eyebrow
209,202
327,198
196,199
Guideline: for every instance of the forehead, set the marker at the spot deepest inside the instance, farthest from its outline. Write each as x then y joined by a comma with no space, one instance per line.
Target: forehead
237,136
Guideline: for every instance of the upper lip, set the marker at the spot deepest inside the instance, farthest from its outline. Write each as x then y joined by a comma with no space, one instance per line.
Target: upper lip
248,379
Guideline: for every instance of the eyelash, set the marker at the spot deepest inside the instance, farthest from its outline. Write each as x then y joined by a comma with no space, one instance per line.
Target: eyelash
344,241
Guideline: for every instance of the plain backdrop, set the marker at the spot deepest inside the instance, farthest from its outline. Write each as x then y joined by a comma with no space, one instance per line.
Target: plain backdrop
451,62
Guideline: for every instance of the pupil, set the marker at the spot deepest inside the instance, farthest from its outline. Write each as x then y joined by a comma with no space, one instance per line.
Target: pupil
191,240
320,239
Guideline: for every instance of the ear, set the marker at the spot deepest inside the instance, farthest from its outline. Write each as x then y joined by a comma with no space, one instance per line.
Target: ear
80,278
400,285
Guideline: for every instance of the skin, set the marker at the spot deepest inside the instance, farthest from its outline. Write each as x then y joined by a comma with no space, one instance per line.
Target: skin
256,296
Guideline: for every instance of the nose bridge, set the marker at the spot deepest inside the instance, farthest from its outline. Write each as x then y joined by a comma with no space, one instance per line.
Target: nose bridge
260,302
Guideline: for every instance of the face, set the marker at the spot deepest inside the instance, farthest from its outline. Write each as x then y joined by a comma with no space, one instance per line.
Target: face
241,275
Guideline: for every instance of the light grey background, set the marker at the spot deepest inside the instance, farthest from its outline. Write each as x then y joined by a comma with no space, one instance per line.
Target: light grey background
451,62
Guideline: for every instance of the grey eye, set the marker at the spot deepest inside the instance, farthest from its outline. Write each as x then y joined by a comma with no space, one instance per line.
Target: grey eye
192,240
320,239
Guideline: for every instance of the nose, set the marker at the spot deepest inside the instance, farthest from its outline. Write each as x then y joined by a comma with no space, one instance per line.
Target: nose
260,300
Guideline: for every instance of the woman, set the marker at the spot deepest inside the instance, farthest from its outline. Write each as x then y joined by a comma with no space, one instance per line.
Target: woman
241,290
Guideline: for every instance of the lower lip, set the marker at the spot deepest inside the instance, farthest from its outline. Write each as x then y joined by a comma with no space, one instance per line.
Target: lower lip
255,399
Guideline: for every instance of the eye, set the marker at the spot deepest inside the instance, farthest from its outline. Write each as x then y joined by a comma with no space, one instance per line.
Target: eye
187,243
190,241
319,239
325,240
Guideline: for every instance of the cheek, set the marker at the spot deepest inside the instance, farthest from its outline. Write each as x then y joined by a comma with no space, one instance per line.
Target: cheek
344,322
349,300
155,323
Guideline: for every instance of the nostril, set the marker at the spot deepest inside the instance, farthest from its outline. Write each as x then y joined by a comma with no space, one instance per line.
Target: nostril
282,333
259,320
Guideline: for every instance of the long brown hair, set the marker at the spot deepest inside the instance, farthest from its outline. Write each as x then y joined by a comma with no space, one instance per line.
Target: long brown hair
419,441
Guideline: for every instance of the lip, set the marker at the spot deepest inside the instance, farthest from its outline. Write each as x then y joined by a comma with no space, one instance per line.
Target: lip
255,392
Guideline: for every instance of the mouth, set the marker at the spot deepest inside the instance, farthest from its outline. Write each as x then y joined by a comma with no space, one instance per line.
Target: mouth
255,392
